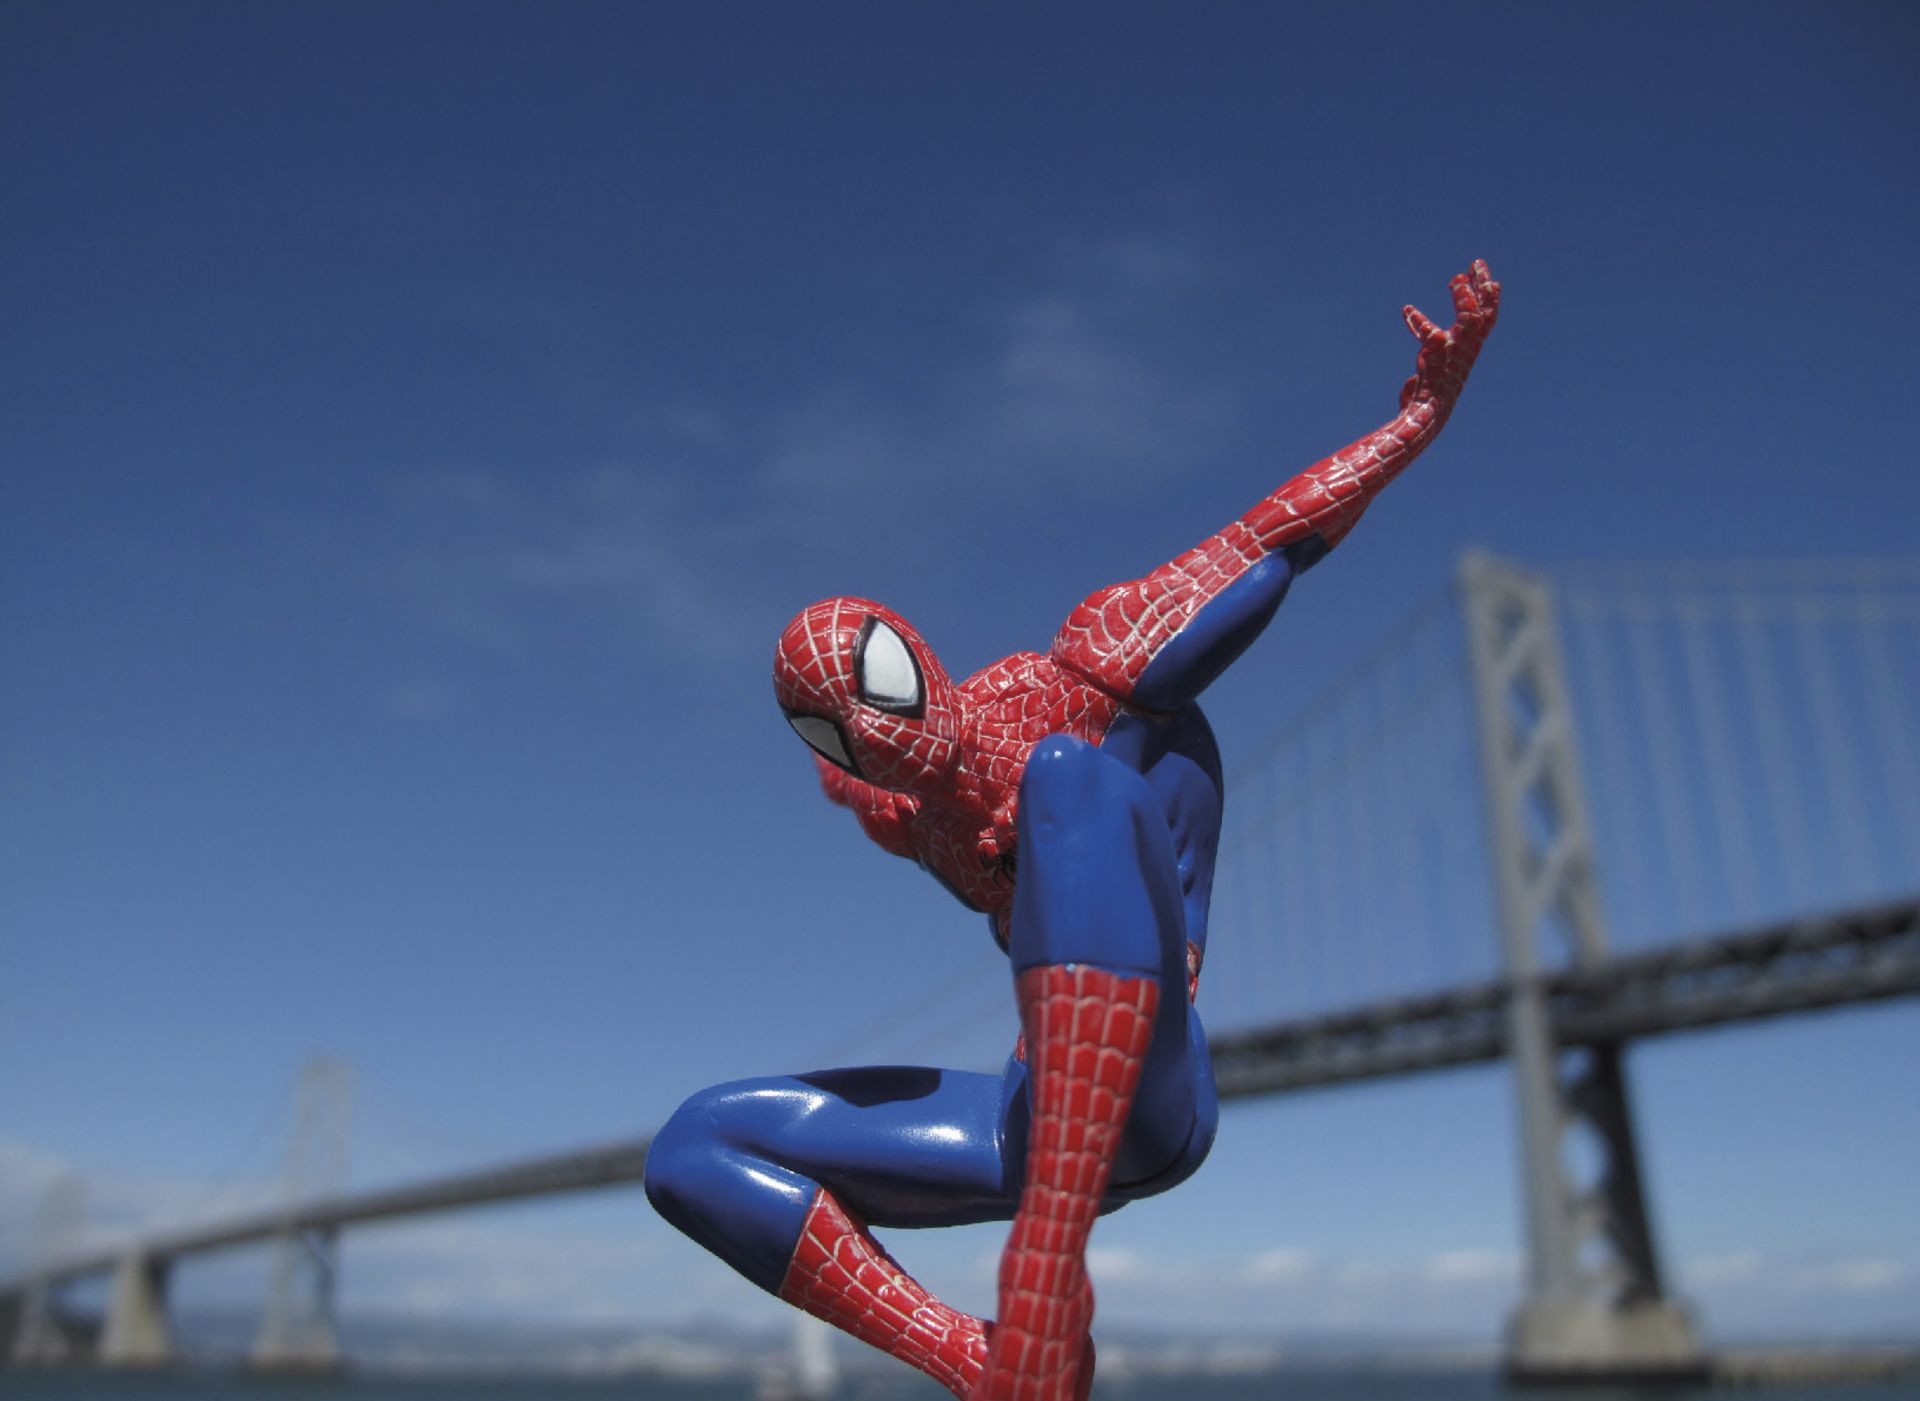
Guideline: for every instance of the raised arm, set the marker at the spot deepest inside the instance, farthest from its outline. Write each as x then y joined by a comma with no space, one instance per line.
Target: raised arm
1157,642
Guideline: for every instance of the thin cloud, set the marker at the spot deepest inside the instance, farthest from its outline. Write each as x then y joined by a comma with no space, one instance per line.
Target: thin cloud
1712,1270
111,1207
455,1269
419,700
1108,1266
1280,1265
1473,1267
1154,263
479,1267
1069,388
498,556
1784,1276
1046,391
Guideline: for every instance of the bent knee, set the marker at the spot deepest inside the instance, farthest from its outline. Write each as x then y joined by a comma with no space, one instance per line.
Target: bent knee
710,1132
679,1155
1066,779
705,1174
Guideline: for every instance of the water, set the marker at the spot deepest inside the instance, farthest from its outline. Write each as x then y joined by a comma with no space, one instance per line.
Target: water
1291,1385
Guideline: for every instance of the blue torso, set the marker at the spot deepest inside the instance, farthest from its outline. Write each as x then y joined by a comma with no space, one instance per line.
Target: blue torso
1181,763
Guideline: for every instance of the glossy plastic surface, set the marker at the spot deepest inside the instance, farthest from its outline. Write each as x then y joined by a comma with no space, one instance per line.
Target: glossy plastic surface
1074,797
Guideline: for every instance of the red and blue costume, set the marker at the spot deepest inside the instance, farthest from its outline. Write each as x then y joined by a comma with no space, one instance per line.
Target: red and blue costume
1074,797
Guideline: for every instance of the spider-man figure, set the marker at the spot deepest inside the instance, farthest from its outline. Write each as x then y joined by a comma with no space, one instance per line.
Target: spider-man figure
1074,798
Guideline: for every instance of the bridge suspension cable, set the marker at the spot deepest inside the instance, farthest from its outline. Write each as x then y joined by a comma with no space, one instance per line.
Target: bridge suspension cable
1755,758
1752,748
1752,754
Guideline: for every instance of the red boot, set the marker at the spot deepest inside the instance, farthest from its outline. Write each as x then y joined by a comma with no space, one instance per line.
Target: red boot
840,1273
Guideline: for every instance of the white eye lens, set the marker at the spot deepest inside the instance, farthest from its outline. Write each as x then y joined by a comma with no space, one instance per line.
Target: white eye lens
824,736
889,676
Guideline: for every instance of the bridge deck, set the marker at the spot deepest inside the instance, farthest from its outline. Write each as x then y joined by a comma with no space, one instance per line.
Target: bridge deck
1797,965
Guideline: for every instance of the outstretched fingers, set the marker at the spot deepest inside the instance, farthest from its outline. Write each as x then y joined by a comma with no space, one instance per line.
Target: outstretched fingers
1484,284
1466,299
1423,329
1476,303
1476,298
1447,355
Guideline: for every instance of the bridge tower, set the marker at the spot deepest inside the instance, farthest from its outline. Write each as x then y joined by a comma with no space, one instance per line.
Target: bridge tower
138,1332
299,1331
44,1330
1594,1305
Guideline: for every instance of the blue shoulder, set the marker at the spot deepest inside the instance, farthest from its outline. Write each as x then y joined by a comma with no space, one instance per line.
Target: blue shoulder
1223,628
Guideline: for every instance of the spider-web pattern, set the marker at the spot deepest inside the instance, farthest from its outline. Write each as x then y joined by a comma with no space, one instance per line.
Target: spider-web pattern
1114,635
964,830
943,787
840,1273
813,674
1087,1032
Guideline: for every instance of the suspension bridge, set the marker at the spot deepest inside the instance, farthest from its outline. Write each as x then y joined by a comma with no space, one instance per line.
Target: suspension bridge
1616,802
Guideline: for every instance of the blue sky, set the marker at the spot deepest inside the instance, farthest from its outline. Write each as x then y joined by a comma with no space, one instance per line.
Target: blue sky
421,420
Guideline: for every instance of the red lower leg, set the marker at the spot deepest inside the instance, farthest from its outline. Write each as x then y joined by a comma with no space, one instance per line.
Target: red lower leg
840,1273
1086,1033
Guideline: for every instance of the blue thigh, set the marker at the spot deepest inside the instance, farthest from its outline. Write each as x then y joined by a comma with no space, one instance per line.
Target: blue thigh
1099,883
737,1166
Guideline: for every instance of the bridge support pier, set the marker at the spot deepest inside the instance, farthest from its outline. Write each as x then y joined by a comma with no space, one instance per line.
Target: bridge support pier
1649,1341
42,1333
1600,1314
298,1332
1594,1308
138,1332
